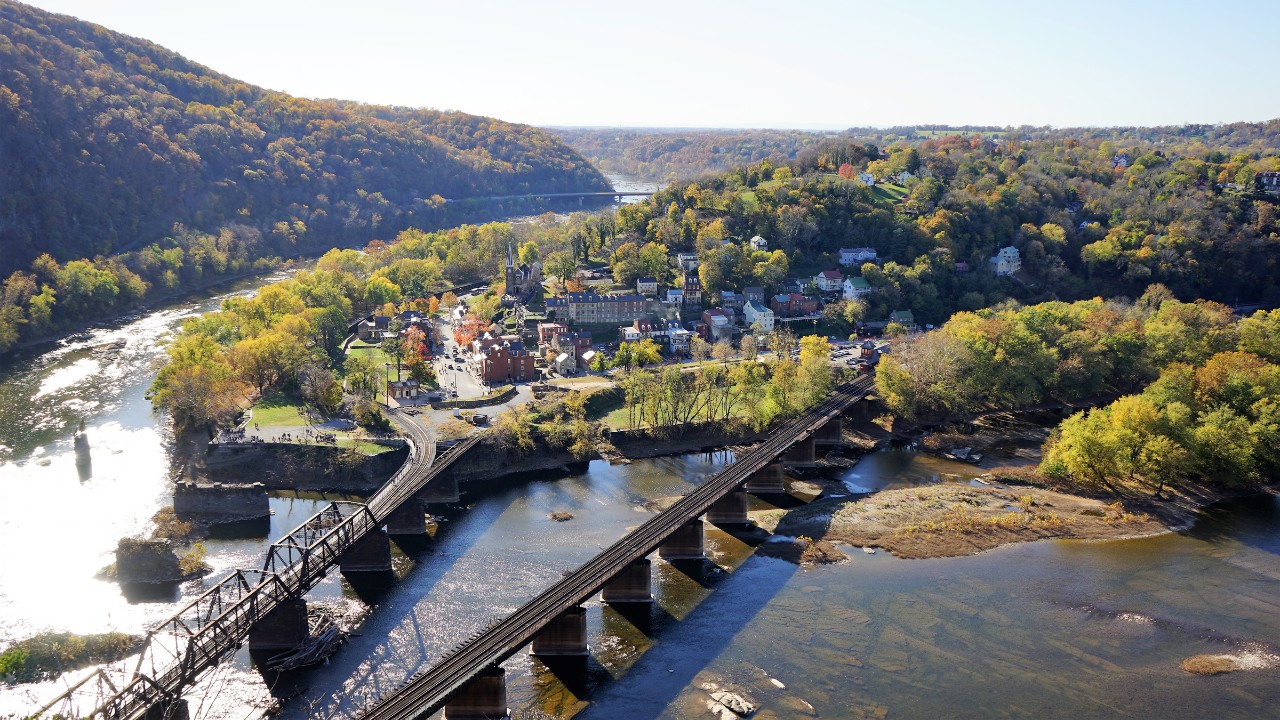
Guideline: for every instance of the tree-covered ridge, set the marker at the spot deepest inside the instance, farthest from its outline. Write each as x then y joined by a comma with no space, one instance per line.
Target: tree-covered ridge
106,141
672,155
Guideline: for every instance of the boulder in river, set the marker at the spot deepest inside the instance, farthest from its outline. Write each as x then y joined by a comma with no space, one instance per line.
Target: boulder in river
141,561
735,702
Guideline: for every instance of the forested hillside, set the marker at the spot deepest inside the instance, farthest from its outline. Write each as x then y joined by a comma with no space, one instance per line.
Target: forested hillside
107,141
671,155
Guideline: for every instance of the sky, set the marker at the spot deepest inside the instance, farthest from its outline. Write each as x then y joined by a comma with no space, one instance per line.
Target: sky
746,63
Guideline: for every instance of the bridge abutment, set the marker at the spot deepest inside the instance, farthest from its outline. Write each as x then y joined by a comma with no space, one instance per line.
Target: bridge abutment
483,698
565,635
631,585
768,480
443,488
370,554
284,628
686,543
729,510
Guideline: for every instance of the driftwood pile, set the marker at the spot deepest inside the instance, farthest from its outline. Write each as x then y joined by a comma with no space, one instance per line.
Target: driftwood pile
324,640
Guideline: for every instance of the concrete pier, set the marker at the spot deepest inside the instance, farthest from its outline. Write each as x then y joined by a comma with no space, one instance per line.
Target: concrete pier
632,585
410,519
769,480
218,500
686,543
729,510
829,434
801,453
566,635
484,698
284,628
372,554
442,489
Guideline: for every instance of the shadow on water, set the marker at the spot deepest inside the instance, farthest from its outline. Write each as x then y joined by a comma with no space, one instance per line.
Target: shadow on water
1250,521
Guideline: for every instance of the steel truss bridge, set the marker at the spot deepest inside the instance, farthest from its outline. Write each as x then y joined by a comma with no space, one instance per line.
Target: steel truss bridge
175,652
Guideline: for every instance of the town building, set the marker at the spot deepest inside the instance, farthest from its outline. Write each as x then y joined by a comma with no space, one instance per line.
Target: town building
675,297
692,291
961,267
1268,181
576,343
905,318
829,281
854,257
521,280
375,329
687,261
1007,261
508,362
548,330
856,288
731,299
753,292
758,243
793,305
678,338
565,364
647,286
402,389
590,308
719,324
756,314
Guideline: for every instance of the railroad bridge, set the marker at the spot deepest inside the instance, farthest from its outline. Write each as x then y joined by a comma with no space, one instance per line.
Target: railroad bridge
469,683
266,606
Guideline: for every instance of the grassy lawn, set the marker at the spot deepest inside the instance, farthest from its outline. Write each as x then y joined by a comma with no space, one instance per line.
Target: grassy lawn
889,192
278,410
749,201
363,446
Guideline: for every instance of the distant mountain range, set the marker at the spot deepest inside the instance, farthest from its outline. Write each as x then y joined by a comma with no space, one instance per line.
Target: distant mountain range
107,141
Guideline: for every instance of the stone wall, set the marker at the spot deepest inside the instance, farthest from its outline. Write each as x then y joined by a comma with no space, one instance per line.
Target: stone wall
300,467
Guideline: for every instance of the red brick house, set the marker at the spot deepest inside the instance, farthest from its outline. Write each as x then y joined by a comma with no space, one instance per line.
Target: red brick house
508,362
792,304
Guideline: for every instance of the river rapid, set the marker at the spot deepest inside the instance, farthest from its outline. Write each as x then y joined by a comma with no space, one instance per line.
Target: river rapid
1057,629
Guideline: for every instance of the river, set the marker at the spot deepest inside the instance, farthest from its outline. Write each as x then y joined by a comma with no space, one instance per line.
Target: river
1056,629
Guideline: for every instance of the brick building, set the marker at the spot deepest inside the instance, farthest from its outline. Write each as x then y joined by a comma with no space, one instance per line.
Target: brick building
508,362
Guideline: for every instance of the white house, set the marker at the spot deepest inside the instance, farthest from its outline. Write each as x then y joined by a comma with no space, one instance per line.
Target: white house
759,243
675,296
867,178
566,363
756,313
852,257
1007,261
856,288
903,177
687,261
647,286
829,280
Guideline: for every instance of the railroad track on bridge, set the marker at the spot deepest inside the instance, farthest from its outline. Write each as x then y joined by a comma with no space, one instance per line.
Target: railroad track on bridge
428,691
203,632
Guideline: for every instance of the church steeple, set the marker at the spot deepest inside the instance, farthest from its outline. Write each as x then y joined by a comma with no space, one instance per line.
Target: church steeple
511,258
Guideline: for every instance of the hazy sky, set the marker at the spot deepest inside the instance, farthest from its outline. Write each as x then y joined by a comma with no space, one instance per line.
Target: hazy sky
782,63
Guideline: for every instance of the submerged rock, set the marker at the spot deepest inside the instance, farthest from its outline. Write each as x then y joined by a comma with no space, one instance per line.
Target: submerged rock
734,702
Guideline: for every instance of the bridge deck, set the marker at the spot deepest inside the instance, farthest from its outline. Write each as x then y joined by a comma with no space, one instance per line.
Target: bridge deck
214,624
430,690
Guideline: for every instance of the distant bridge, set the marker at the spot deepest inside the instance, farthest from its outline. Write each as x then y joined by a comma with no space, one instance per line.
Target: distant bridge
266,606
617,195
469,682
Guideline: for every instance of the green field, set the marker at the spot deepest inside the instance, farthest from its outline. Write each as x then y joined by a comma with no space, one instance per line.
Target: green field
889,192
277,410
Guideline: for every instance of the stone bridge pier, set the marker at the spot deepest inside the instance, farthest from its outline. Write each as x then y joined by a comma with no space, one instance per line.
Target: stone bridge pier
769,480
370,554
284,628
802,453
729,510
410,519
686,543
564,636
631,584
484,698
829,434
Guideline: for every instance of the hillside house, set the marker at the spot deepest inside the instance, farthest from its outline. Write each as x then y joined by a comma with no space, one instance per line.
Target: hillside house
829,281
1007,261
753,292
675,297
1268,181
719,324
692,291
647,286
687,261
793,305
867,179
854,257
856,288
905,318
758,243
755,313
731,299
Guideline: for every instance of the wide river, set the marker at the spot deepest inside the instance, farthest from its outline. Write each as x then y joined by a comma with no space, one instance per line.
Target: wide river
1043,630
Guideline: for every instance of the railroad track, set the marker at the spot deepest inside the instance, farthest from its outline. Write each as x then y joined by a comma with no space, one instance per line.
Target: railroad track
428,691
